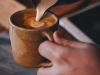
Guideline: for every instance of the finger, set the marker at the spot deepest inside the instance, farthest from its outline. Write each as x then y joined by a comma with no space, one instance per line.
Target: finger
46,49
60,40
45,71
51,50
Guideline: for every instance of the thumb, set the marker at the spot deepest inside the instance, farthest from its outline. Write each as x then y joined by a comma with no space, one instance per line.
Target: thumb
58,38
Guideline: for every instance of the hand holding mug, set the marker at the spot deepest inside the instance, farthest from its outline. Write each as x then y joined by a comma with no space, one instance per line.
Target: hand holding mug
70,57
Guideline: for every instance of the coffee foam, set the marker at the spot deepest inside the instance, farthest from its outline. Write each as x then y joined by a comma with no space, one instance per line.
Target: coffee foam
28,20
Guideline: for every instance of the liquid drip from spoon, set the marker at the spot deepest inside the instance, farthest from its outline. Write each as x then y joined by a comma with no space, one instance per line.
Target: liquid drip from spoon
42,6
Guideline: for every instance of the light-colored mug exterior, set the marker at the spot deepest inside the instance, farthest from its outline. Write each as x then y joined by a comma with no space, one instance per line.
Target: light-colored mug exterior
25,42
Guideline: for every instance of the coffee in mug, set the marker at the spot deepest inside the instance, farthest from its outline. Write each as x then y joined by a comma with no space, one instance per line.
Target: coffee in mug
28,20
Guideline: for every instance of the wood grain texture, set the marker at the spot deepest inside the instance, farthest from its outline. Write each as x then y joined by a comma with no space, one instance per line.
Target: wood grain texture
7,8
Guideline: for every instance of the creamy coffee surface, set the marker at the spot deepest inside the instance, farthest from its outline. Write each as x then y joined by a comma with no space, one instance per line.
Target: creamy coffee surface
43,6
28,20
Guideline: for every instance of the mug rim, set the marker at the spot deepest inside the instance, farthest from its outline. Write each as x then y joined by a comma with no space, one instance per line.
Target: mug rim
14,25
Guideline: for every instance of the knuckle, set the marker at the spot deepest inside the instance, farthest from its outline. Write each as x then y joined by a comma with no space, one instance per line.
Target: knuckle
62,53
42,45
59,57
67,42
57,73
89,45
91,48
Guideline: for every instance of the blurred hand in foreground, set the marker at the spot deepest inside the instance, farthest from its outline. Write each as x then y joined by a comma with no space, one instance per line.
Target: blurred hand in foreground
70,57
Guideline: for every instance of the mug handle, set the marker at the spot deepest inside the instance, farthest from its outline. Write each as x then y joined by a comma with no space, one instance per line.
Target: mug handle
49,35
